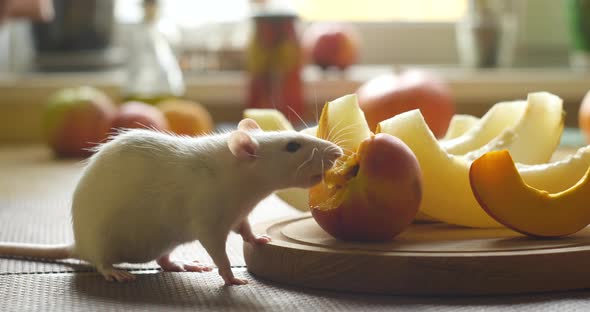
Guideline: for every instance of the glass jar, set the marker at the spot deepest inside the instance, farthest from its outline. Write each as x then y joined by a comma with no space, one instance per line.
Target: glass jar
153,72
274,63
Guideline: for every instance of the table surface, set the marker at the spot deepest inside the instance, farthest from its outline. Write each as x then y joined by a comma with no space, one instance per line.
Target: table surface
34,195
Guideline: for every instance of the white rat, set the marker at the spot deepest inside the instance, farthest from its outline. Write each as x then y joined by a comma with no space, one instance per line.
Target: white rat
144,193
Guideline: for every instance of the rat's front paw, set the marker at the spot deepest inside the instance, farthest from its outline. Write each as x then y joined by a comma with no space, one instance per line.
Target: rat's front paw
261,240
230,279
235,281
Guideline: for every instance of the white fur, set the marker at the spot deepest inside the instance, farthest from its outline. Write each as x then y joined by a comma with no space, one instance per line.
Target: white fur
144,192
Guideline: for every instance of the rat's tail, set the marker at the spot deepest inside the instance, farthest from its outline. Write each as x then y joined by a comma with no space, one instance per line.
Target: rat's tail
36,251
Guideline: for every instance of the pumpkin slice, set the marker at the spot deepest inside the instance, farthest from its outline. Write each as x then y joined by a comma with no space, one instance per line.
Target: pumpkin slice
503,194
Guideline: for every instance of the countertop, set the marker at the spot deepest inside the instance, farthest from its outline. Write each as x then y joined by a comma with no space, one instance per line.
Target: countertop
23,95
34,196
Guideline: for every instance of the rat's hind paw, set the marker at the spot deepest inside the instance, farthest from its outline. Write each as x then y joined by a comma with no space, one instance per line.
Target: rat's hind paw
111,275
185,266
195,266
169,265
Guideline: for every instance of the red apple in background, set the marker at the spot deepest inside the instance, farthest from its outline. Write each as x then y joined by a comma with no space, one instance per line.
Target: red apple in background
584,117
388,95
136,114
76,119
331,44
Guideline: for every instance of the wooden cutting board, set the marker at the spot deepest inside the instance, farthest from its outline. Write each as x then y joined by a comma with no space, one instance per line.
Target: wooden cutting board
428,258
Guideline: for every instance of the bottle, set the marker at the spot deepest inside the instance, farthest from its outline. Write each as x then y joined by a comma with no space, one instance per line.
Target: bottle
153,72
274,60
486,35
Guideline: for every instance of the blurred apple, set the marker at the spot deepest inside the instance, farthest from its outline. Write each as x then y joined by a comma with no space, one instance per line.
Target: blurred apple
186,117
136,114
331,44
76,119
388,95
584,117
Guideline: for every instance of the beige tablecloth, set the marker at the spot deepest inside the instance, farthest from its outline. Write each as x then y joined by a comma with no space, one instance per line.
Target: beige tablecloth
34,207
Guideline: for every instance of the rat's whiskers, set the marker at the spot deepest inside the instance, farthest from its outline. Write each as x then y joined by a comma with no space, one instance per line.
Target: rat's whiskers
315,149
329,135
298,116
344,131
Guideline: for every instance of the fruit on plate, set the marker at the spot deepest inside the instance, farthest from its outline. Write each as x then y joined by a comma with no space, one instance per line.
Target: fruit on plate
460,123
388,95
373,195
502,193
557,176
186,117
328,44
343,122
269,119
447,194
76,119
499,117
374,190
136,114
537,133
584,116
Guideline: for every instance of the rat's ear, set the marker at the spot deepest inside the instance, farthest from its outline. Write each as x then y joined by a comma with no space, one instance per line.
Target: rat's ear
248,124
242,145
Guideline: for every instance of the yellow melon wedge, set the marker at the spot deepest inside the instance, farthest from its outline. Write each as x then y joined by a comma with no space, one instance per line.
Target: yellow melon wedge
447,194
460,123
343,122
268,119
536,135
503,194
499,117
559,175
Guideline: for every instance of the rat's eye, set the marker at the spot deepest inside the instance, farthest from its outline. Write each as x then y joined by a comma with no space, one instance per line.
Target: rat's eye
292,147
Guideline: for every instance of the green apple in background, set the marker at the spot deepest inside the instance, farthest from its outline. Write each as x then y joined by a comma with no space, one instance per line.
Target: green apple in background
76,119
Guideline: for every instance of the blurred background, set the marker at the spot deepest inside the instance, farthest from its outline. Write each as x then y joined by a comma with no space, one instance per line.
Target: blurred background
228,55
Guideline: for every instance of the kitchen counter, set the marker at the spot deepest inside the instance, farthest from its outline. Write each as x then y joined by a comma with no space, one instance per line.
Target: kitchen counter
34,198
22,96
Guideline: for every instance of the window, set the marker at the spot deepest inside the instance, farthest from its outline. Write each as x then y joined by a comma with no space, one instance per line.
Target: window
189,13
392,31
382,10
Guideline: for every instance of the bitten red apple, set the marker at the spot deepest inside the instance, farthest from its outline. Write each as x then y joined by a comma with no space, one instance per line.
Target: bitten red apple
388,95
373,192
77,119
331,44
373,196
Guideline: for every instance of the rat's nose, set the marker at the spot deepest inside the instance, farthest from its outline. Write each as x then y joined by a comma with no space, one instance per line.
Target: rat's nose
333,153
